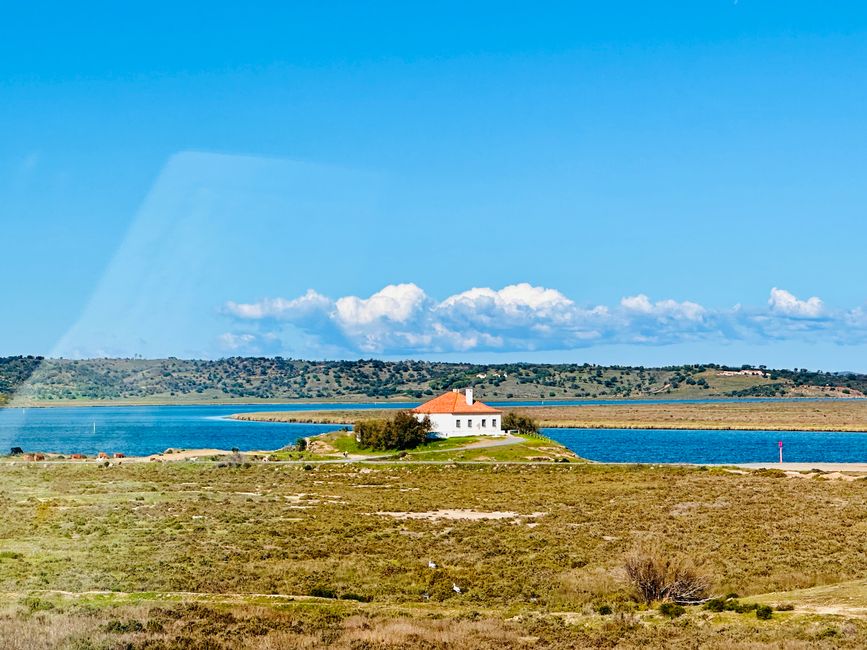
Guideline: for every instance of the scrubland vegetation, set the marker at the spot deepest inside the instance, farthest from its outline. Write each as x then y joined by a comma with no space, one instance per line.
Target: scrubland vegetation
38,380
194,555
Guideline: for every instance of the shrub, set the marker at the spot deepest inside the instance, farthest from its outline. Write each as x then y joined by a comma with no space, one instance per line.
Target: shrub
604,609
323,592
403,431
123,627
36,604
671,610
301,444
764,612
356,597
740,608
715,605
656,577
785,607
520,423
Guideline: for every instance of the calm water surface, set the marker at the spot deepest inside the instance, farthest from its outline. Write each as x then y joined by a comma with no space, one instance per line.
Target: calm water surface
138,430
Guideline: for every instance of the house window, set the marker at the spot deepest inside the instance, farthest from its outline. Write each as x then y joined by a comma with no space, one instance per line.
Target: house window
494,423
484,423
469,424
457,424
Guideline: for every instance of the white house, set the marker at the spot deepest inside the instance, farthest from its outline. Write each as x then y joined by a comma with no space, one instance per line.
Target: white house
457,414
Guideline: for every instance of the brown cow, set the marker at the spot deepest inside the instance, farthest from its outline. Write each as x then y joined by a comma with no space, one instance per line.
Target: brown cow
120,455
102,454
78,456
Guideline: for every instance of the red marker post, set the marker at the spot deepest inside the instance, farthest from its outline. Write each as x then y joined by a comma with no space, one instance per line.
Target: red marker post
781,451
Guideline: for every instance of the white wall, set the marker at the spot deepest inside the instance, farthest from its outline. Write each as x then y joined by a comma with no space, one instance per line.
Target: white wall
444,424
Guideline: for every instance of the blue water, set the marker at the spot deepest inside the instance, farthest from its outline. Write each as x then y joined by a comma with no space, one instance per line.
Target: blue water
711,447
139,430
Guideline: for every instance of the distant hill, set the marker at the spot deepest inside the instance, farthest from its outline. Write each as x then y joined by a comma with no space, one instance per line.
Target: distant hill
37,380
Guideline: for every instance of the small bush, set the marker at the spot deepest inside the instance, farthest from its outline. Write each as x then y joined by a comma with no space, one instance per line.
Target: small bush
785,607
36,604
323,592
656,577
671,610
715,605
356,597
123,627
764,612
154,627
604,609
308,467
731,605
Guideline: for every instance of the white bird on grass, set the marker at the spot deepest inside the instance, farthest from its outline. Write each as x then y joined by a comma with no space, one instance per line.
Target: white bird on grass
432,565
455,588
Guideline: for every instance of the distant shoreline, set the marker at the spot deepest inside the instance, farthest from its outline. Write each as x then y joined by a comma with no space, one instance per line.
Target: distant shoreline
520,403
818,415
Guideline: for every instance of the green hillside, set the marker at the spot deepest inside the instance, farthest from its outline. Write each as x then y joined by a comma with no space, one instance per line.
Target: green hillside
38,380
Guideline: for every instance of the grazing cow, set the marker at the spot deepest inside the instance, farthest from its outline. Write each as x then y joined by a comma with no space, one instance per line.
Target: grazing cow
78,456
119,455
16,451
102,455
38,456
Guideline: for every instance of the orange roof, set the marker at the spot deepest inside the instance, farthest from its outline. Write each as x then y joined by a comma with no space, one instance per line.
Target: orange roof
452,402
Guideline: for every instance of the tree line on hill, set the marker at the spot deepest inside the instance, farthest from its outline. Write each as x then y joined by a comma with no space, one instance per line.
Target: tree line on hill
37,379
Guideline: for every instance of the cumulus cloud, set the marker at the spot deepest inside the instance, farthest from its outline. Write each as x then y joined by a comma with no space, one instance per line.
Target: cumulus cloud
398,303
641,304
310,303
404,319
787,304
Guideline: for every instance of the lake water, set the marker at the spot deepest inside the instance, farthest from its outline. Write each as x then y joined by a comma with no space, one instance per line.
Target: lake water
139,430
712,447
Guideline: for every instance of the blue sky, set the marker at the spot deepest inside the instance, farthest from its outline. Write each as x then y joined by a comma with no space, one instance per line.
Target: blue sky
620,182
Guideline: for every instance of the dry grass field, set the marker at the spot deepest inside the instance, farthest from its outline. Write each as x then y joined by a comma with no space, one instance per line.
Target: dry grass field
194,555
781,415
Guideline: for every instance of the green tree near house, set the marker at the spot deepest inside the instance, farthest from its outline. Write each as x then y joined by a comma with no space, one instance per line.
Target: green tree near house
403,431
521,423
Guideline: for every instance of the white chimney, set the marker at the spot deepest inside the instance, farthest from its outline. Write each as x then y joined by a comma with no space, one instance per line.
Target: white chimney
469,396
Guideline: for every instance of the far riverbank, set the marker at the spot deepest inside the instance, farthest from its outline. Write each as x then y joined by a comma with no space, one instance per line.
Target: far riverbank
732,415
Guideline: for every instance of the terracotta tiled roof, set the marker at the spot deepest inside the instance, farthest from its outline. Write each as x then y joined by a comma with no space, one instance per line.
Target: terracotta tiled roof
453,403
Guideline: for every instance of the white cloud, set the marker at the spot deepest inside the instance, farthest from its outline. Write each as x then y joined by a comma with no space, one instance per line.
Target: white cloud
641,304
403,319
396,302
787,304
232,342
279,307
